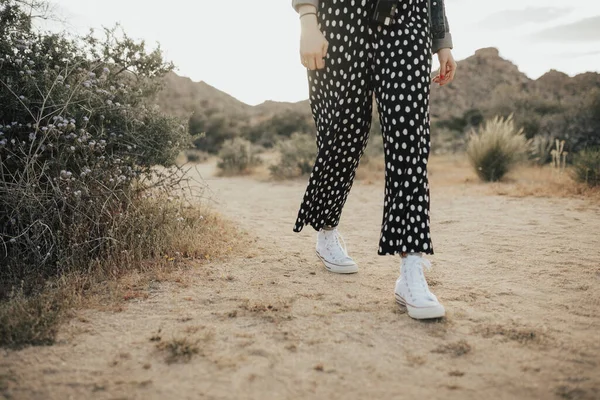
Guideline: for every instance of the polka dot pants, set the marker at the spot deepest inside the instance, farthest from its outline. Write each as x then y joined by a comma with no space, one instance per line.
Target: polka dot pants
392,62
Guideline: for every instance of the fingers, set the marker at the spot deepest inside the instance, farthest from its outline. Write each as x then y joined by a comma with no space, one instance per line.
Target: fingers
320,58
449,74
313,61
452,71
320,62
443,63
447,71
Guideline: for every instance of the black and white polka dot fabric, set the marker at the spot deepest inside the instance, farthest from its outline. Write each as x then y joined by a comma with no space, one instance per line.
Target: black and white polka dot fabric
394,62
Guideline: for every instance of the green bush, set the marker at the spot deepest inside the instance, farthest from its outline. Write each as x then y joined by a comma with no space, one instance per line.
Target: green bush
297,157
79,146
238,156
586,167
496,147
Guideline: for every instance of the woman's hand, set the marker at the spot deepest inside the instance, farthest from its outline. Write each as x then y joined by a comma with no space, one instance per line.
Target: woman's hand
447,67
313,45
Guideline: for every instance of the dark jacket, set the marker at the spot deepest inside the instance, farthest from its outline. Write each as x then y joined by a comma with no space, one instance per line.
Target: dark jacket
440,29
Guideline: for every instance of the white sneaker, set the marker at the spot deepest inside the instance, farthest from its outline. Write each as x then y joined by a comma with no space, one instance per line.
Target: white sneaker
413,292
334,256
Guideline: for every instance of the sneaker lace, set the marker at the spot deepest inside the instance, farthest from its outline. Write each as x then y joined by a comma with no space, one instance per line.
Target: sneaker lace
417,279
334,239
339,240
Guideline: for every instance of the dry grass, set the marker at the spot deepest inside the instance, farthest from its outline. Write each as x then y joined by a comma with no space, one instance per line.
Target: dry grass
524,181
544,181
36,318
32,319
179,349
521,334
455,349
183,348
415,359
443,170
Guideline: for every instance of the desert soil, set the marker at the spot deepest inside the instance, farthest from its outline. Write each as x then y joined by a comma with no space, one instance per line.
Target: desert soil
520,279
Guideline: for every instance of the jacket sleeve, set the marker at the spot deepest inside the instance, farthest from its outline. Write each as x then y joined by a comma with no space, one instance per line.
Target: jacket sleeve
446,41
297,3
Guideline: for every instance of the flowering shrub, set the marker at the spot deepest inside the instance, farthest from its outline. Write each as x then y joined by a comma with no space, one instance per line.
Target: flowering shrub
79,145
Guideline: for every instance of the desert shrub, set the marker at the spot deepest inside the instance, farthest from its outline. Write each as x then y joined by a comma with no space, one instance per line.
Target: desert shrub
280,126
496,147
211,128
586,167
30,319
196,156
580,126
297,157
238,156
79,146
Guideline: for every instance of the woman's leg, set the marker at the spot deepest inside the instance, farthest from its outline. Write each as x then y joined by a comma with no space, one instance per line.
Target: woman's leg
402,63
340,97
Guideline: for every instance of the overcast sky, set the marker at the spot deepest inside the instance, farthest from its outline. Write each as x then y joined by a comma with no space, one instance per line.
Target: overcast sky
249,49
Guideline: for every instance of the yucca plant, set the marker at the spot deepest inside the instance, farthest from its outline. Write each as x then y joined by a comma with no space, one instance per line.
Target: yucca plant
496,147
541,148
586,167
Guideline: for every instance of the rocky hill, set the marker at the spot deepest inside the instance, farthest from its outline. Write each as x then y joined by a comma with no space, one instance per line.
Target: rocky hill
485,83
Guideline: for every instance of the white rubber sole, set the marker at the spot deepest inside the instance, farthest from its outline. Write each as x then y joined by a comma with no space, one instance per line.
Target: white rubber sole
421,312
336,268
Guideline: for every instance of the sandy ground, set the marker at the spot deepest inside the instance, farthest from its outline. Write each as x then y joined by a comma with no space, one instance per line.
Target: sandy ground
520,279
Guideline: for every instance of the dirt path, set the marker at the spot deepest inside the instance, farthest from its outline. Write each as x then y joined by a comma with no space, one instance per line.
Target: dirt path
520,278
